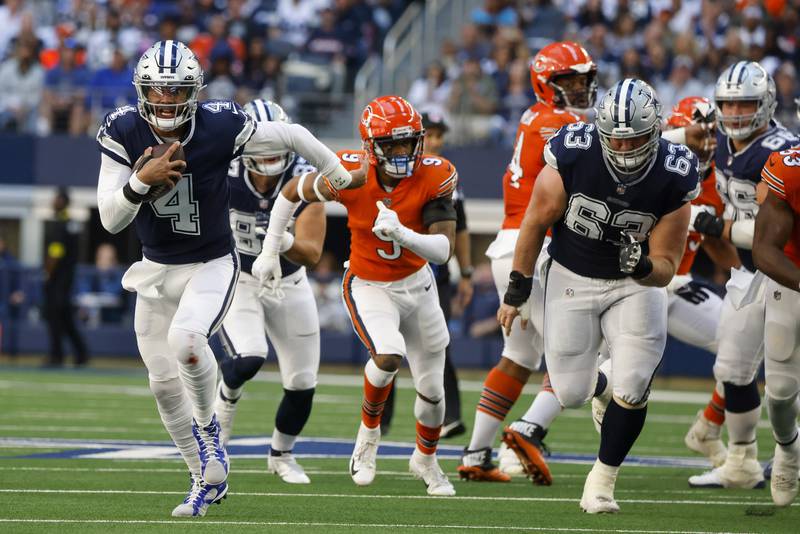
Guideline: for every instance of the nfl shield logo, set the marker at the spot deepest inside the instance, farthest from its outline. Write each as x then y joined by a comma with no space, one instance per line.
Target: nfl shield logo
776,295
263,203
387,202
621,189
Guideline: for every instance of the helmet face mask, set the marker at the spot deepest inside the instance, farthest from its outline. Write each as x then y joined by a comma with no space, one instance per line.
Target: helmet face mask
272,164
563,75
745,81
387,123
574,91
168,80
629,110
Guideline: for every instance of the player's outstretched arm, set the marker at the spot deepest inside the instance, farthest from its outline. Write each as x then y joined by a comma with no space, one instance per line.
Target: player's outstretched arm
773,228
739,233
309,236
546,206
276,137
667,243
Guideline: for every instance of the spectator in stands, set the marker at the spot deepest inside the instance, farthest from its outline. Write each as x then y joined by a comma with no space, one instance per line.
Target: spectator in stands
326,282
215,39
473,101
221,82
111,86
100,294
61,257
787,91
431,92
493,14
473,44
680,83
11,14
21,85
480,317
543,23
297,18
516,100
326,41
10,288
112,36
63,103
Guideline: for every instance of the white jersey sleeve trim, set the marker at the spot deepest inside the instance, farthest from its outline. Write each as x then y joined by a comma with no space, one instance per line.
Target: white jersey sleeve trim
549,157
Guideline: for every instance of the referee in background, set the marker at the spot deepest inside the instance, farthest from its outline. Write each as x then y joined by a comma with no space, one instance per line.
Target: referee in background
435,130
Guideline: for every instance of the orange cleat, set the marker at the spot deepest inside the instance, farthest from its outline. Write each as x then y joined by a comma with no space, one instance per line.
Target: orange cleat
522,438
477,466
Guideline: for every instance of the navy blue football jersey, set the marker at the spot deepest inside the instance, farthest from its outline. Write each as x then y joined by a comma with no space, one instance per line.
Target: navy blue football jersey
249,211
600,207
189,224
738,173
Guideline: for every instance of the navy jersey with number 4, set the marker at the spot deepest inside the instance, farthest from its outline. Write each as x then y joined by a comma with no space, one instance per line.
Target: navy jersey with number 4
249,211
189,224
600,207
738,173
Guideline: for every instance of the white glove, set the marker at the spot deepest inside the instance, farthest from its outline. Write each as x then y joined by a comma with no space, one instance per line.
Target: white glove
267,270
387,225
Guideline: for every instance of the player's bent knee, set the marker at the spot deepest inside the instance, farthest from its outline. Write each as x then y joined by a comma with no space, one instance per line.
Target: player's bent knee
388,362
237,371
169,388
187,346
301,381
782,387
572,397
725,371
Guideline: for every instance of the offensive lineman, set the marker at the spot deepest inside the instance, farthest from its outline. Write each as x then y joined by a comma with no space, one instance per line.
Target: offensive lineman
400,219
290,322
617,197
744,97
185,281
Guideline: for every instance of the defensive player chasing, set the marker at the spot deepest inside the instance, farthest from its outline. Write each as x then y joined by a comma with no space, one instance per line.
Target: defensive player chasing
745,102
400,219
290,322
617,197
187,276
776,251
563,78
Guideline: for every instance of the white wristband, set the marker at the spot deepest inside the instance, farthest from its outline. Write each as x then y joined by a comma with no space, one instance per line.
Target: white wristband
300,184
287,242
742,233
317,192
138,185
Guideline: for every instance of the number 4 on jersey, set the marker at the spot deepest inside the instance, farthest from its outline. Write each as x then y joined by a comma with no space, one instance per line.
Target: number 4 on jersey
180,206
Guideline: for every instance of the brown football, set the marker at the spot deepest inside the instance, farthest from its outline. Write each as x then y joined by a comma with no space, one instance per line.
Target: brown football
158,191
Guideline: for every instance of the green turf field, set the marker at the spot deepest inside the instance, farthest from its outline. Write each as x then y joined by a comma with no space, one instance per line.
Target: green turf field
51,422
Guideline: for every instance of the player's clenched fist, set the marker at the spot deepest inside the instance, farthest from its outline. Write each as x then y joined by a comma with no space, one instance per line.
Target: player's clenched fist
387,224
267,268
154,170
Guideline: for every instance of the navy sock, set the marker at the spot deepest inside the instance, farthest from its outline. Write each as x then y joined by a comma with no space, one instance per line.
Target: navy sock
293,411
741,399
602,384
620,429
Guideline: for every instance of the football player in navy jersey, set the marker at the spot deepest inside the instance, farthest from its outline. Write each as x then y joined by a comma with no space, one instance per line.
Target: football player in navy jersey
186,279
744,97
291,322
617,198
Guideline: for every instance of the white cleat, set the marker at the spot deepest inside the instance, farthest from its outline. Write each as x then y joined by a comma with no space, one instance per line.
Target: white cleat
598,491
362,462
704,437
200,496
286,467
740,470
508,461
426,468
784,484
226,410
599,406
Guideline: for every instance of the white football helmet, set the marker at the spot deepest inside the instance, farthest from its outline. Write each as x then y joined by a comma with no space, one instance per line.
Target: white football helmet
267,164
168,79
629,109
745,81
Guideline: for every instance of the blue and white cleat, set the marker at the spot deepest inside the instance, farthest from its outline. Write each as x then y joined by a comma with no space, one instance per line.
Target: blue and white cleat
200,496
213,456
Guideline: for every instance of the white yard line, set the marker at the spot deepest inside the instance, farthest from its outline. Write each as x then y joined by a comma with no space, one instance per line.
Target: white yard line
407,497
207,522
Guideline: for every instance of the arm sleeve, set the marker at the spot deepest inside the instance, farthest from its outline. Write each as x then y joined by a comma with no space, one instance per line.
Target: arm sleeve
116,211
440,209
461,215
276,137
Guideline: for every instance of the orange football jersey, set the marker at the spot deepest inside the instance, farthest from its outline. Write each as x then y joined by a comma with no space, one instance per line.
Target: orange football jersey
538,124
781,173
708,197
372,258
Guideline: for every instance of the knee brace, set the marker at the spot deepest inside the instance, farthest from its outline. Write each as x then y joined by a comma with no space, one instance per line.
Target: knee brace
188,347
237,371
293,411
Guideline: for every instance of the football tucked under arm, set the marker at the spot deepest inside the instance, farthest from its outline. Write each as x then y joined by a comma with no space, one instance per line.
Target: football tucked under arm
143,192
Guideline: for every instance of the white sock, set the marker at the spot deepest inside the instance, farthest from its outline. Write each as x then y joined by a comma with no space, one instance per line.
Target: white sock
282,442
200,380
231,393
377,376
742,426
175,410
484,431
544,409
783,417
609,471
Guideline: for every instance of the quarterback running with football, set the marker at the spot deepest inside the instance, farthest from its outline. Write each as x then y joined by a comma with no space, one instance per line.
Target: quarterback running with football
402,218
186,278
290,318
